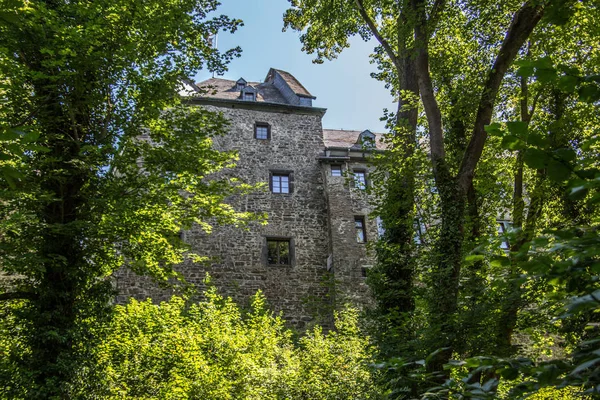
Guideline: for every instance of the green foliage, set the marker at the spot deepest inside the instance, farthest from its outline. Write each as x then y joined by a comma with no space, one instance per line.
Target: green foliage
101,163
453,292
211,350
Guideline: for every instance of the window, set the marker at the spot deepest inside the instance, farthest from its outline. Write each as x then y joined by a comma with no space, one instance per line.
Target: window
248,96
262,131
240,84
502,228
360,179
363,272
420,230
280,183
336,170
380,228
359,225
278,252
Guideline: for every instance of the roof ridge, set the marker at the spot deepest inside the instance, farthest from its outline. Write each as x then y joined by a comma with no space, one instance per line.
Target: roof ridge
286,75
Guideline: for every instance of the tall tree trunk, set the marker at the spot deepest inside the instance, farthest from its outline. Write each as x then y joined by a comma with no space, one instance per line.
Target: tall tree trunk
62,175
392,282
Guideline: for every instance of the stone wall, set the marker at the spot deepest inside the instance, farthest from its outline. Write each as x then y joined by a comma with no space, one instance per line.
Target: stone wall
351,259
301,291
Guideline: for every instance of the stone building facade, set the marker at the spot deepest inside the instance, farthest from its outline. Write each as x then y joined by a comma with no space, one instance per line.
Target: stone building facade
313,253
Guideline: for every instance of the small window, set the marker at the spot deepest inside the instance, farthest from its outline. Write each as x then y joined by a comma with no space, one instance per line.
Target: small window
363,272
502,228
360,179
420,230
380,228
248,96
336,170
240,84
262,131
280,183
278,252
359,225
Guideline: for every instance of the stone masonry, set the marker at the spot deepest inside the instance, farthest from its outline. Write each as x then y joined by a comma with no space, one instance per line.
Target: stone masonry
309,258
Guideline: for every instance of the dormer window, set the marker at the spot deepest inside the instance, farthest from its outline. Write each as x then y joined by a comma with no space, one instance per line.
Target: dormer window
367,139
240,84
248,93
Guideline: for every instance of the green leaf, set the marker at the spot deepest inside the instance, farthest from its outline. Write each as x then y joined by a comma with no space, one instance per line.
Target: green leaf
589,93
512,142
509,373
525,71
565,154
545,75
500,261
517,128
493,129
557,171
536,159
536,139
568,83
8,134
30,137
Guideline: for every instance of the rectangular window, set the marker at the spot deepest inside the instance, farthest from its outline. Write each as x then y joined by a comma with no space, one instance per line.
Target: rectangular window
278,252
248,96
262,131
380,228
336,170
501,232
359,225
280,183
360,179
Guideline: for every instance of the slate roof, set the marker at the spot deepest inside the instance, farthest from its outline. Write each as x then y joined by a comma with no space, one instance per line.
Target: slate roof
293,83
348,139
226,89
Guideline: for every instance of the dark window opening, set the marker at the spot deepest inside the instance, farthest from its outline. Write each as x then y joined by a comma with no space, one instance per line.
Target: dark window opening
262,131
278,252
359,225
280,183
363,272
360,179
336,170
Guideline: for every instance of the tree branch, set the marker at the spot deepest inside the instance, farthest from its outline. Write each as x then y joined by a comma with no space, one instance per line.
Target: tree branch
432,110
18,296
386,46
523,23
434,16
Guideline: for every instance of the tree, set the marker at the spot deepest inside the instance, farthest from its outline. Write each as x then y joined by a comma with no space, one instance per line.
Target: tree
81,194
462,53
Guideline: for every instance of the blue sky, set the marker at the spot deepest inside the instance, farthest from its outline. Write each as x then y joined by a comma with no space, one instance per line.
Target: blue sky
353,99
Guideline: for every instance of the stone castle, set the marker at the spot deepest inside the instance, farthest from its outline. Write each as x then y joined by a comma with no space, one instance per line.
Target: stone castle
312,253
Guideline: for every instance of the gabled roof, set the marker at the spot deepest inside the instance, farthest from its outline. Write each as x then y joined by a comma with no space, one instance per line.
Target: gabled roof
348,139
292,82
227,89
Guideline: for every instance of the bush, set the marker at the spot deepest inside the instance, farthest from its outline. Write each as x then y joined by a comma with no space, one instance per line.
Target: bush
212,350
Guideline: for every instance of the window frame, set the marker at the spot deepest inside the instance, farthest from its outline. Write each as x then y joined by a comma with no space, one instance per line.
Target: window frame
337,166
501,229
262,125
279,239
362,229
357,172
246,93
281,173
